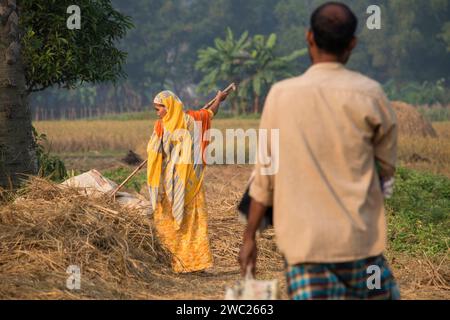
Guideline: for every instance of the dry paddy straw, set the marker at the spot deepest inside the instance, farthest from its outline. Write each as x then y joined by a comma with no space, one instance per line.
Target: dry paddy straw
45,229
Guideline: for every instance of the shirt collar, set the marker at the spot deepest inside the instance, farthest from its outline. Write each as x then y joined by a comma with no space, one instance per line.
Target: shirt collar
326,65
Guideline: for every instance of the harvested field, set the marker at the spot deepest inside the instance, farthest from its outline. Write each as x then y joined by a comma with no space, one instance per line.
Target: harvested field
118,252
109,135
121,258
426,153
85,144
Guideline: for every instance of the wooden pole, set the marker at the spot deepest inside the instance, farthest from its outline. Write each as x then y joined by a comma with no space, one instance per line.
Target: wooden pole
113,195
231,87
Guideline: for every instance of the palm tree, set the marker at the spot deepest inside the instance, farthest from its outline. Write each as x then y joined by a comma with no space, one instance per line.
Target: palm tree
223,63
264,68
17,151
250,62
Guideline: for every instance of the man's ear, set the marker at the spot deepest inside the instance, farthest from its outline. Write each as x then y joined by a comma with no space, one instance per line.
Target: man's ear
310,38
353,43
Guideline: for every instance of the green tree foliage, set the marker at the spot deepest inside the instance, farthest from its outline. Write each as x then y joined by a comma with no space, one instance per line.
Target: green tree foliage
412,45
224,62
264,68
250,62
43,54
55,55
445,35
50,166
418,93
163,46
408,48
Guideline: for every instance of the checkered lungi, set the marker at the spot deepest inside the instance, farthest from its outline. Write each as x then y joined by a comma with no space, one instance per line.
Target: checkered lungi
337,281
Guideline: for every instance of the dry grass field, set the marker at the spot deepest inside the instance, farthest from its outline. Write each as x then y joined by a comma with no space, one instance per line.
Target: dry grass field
77,138
430,154
111,136
101,144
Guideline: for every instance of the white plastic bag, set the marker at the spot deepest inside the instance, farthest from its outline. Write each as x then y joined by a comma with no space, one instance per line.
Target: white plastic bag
94,184
92,181
252,289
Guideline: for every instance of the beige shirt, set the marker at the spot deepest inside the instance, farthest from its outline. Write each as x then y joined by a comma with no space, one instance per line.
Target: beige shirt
335,124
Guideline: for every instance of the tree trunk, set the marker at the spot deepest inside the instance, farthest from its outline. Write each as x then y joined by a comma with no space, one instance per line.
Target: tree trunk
256,105
234,106
17,149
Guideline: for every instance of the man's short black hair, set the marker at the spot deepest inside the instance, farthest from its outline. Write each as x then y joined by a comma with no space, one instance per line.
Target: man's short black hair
333,25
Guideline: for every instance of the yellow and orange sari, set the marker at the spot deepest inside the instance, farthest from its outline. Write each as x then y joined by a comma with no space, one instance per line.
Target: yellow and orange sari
175,181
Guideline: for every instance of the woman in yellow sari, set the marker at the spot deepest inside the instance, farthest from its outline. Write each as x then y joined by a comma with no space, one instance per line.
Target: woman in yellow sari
175,180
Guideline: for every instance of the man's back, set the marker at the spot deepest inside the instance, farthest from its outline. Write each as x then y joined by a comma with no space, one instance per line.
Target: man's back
328,204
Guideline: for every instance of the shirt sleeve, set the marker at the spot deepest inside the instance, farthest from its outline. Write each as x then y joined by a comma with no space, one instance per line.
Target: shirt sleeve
201,115
211,114
261,187
385,138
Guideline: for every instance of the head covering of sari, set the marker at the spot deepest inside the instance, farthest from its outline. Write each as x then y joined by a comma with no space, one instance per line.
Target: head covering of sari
171,158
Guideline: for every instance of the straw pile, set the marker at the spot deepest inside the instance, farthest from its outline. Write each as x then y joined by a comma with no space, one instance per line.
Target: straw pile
47,229
411,122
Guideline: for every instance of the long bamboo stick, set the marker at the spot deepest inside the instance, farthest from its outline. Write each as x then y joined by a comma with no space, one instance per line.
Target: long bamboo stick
231,87
113,195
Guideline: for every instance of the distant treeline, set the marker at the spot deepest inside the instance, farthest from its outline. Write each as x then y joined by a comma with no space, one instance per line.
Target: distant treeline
410,54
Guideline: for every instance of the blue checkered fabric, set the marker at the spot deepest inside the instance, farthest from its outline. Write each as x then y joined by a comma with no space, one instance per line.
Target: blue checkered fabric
341,281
